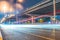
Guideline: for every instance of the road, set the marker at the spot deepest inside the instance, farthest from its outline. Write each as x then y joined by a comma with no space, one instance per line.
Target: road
23,33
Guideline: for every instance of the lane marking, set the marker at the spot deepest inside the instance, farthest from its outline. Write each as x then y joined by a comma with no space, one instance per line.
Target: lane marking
53,34
39,36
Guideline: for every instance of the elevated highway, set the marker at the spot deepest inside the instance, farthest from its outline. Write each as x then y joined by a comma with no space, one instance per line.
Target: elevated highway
43,8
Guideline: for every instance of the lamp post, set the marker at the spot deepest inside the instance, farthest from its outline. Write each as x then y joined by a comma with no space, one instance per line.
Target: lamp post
54,18
54,11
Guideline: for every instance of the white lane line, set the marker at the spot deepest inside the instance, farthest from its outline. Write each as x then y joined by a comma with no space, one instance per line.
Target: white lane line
39,36
53,34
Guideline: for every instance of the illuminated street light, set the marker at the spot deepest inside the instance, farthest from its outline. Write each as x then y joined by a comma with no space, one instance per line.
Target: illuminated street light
20,1
5,7
19,6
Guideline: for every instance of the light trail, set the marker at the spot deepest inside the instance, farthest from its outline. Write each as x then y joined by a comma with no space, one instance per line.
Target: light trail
54,26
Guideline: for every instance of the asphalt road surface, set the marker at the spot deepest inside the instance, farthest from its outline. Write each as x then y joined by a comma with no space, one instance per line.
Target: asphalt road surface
30,34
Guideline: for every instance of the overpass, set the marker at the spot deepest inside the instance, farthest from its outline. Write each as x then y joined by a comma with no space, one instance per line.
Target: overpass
43,8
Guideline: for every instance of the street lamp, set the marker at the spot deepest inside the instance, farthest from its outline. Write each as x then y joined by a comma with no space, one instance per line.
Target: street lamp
54,11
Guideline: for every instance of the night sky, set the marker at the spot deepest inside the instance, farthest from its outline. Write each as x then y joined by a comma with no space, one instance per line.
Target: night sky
29,3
